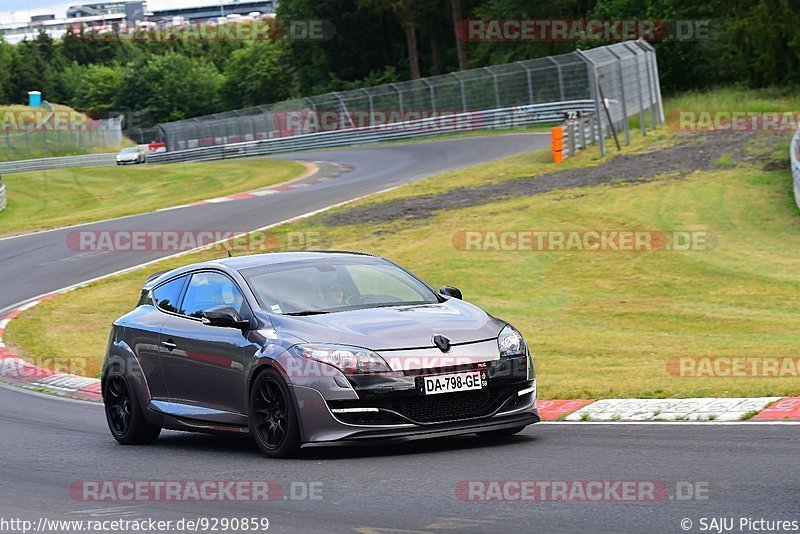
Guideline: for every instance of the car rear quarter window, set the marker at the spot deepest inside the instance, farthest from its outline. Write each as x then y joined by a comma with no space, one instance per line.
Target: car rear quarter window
208,290
166,296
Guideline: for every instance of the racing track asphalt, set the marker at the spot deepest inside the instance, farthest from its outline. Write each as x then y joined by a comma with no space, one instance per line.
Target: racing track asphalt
49,443
743,471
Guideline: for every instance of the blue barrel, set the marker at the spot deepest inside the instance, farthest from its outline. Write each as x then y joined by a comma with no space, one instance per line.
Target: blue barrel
34,99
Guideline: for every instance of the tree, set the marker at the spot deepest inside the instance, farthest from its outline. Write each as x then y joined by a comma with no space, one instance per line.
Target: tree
93,87
404,11
171,87
461,45
362,41
6,53
29,72
254,76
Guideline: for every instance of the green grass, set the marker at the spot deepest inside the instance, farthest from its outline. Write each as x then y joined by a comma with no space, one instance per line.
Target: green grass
49,199
601,324
738,99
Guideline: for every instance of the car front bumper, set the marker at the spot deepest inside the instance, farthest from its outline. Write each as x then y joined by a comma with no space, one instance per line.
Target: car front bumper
381,409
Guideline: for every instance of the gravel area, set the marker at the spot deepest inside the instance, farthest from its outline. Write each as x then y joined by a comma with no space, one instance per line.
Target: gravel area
697,152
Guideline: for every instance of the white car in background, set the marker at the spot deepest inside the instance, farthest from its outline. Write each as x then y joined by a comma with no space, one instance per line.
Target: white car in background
131,155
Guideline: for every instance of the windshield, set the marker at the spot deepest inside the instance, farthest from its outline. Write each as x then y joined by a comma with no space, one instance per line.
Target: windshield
321,286
129,150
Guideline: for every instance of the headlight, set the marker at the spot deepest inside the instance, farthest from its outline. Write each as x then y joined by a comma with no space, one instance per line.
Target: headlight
349,360
510,343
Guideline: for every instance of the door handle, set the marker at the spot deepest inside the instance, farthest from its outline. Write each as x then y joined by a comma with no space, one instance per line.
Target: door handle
169,345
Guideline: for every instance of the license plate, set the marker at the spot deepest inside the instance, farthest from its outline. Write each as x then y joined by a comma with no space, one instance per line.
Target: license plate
433,385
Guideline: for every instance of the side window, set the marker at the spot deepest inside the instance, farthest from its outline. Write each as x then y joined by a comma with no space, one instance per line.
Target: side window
207,290
166,296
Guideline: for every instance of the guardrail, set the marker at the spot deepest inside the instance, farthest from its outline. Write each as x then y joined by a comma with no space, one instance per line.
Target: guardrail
580,133
794,158
89,160
2,195
574,135
454,123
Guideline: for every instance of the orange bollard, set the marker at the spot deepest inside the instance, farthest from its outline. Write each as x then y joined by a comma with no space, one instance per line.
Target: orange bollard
557,134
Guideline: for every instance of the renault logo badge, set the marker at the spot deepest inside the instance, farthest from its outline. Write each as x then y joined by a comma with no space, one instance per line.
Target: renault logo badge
442,342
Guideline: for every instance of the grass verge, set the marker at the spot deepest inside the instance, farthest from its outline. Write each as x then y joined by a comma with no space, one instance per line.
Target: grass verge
61,197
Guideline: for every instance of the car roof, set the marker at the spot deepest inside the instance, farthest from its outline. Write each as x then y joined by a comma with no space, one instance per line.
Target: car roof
239,263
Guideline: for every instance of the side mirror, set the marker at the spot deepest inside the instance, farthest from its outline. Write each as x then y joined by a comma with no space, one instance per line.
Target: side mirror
450,291
224,316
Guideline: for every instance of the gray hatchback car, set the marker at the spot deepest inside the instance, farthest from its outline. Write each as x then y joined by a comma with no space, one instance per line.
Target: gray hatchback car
304,349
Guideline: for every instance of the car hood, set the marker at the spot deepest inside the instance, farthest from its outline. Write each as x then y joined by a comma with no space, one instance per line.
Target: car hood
396,327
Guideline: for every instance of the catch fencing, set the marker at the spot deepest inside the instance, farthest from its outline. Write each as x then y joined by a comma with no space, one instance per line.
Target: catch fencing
515,117
47,130
620,81
794,158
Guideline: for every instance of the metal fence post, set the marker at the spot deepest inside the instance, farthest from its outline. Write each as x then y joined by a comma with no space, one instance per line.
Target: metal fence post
571,139
652,70
639,92
346,110
530,81
433,94
622,89
494,83
369,97
560,78
463,91
594,85
651,93
399,97
583,132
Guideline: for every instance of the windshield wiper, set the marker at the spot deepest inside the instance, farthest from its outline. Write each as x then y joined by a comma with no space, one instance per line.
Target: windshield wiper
307,312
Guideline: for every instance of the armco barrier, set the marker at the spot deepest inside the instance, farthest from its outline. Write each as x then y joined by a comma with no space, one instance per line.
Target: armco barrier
574,135
90,160
456,123
794,158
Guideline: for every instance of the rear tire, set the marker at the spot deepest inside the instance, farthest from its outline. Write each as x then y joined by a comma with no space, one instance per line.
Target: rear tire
123,412
504,433
273,416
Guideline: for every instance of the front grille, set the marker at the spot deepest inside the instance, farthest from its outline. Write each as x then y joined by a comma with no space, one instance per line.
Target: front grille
435,408
446,406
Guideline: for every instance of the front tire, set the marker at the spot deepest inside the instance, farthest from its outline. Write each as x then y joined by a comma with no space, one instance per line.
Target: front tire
273,416
124,414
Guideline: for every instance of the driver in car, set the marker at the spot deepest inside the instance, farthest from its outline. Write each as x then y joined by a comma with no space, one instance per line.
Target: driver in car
333,295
